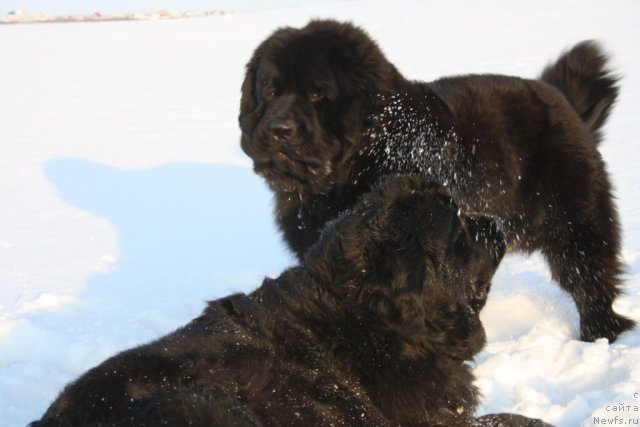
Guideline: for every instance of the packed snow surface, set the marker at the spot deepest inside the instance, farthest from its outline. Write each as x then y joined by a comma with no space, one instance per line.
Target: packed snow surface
127,203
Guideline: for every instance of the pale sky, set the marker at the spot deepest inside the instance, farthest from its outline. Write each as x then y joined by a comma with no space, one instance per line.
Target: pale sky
62,7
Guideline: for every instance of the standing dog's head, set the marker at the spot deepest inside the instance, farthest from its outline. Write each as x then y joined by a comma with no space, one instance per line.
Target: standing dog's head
405,256
306,95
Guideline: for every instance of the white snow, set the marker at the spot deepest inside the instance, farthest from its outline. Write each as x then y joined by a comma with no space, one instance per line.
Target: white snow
127,203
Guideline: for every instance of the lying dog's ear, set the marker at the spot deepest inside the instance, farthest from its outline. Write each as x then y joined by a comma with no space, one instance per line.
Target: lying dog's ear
337,259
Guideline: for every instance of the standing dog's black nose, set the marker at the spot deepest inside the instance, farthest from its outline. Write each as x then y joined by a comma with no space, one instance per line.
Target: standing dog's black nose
282,129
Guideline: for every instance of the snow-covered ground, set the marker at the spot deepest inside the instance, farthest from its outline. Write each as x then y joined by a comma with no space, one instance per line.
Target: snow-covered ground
127,203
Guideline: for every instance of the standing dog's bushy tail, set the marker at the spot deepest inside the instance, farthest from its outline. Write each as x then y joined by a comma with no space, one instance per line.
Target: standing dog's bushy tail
581,74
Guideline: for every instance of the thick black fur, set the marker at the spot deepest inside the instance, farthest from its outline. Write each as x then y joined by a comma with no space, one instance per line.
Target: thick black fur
373,330
324,115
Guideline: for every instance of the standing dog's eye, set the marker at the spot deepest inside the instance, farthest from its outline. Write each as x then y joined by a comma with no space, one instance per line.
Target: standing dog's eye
270,93
315,96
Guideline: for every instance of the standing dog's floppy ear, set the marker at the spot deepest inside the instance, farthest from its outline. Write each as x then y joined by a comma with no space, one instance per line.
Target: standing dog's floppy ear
249,99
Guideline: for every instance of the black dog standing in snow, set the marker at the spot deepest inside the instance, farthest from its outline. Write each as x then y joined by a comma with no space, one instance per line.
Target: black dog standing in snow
324,115
372,330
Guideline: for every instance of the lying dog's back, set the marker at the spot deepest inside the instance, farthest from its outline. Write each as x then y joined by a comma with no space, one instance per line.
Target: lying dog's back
245,361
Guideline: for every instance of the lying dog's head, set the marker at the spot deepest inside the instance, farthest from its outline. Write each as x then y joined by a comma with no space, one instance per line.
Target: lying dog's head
405,256
305,97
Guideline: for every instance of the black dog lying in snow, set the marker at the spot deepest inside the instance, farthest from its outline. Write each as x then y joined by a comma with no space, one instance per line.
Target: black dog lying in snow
373,329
